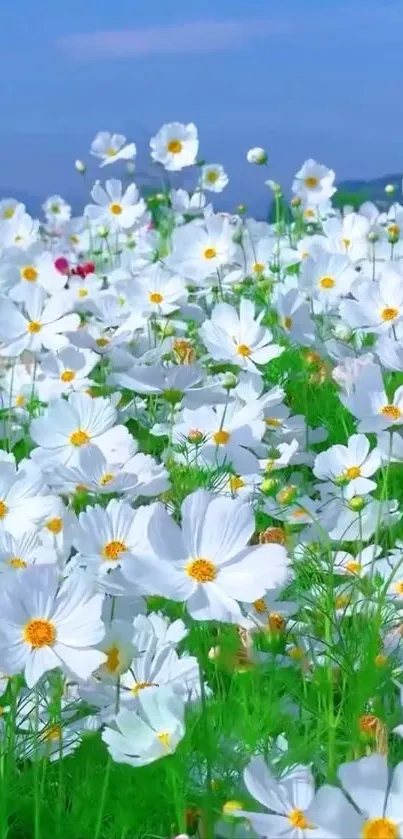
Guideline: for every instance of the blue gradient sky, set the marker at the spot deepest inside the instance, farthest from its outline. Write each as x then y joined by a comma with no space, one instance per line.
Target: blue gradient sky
320,79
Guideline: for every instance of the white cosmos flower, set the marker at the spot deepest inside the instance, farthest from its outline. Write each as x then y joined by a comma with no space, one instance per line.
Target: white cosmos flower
349,466
152,733
44,325
239,338
24,270
24,498
378,306
213,177
57,210
208,563
314,182
326,277
157,666
182,381
46,624
110,148
114,208
294,316
65,371
113,537
200,248
80,421
291,800
378,798
370,404
22,551
119,648
175,146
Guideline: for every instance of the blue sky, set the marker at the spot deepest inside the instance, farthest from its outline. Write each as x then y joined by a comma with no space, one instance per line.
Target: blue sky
304,79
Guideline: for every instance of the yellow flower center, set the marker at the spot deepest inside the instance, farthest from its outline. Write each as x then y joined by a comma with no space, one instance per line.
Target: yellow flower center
287,322
230,806
389,313
273,422
33,327
68,376
391,412
398,587
379,829
74,239
212,176
112,550
79,438
258,267
17,562
309,213
327,282
394,230
102,342
20,401
155,297
29,273
165,740
39,632
295,653
221,437
276,622
55,525
260,606
354,567
311,182
210,253
236,483
174,146
138,686
3,509
341,601
111,152
201,570
115,209
112,659
352,472
243,350
82,292
346,243
53,732
106,479
298,819
8,212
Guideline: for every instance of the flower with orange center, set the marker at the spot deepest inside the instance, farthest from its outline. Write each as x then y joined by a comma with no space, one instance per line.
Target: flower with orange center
311,182
155,297
380,829
209,253
298,819
106,479
287,322
17,562
55,525
258,267
79,438
327,282
113,550
236,483
352,472
3,509
68,376
102,342
53,733
34,327
276,622
82,292
354,567
112,659
115,209
389,313
201,570
29,273
221,437
391,412
174,146
243,350
39,632
138,686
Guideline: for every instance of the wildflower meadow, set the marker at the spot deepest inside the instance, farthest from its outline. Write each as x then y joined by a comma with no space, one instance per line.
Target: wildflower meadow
201,490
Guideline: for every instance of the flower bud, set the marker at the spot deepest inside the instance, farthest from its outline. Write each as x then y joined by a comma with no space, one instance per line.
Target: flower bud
130,167
390,189
257,155
80,166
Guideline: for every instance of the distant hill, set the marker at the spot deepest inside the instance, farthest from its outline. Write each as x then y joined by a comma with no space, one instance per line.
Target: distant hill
372,190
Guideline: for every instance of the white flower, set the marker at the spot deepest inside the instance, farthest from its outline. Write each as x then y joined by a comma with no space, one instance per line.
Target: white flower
44,325
349,466
113,208
45,624
208,563
153,733
213,177
314,182
110,148
175,146
201,247
239,339
56,210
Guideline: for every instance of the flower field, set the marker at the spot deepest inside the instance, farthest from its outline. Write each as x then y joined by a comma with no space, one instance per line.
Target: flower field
201,539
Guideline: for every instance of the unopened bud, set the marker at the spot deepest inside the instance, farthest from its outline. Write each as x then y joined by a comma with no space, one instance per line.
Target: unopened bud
241,209
295,201
80,166
130,167
390,189
274,186
257,155
103,232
